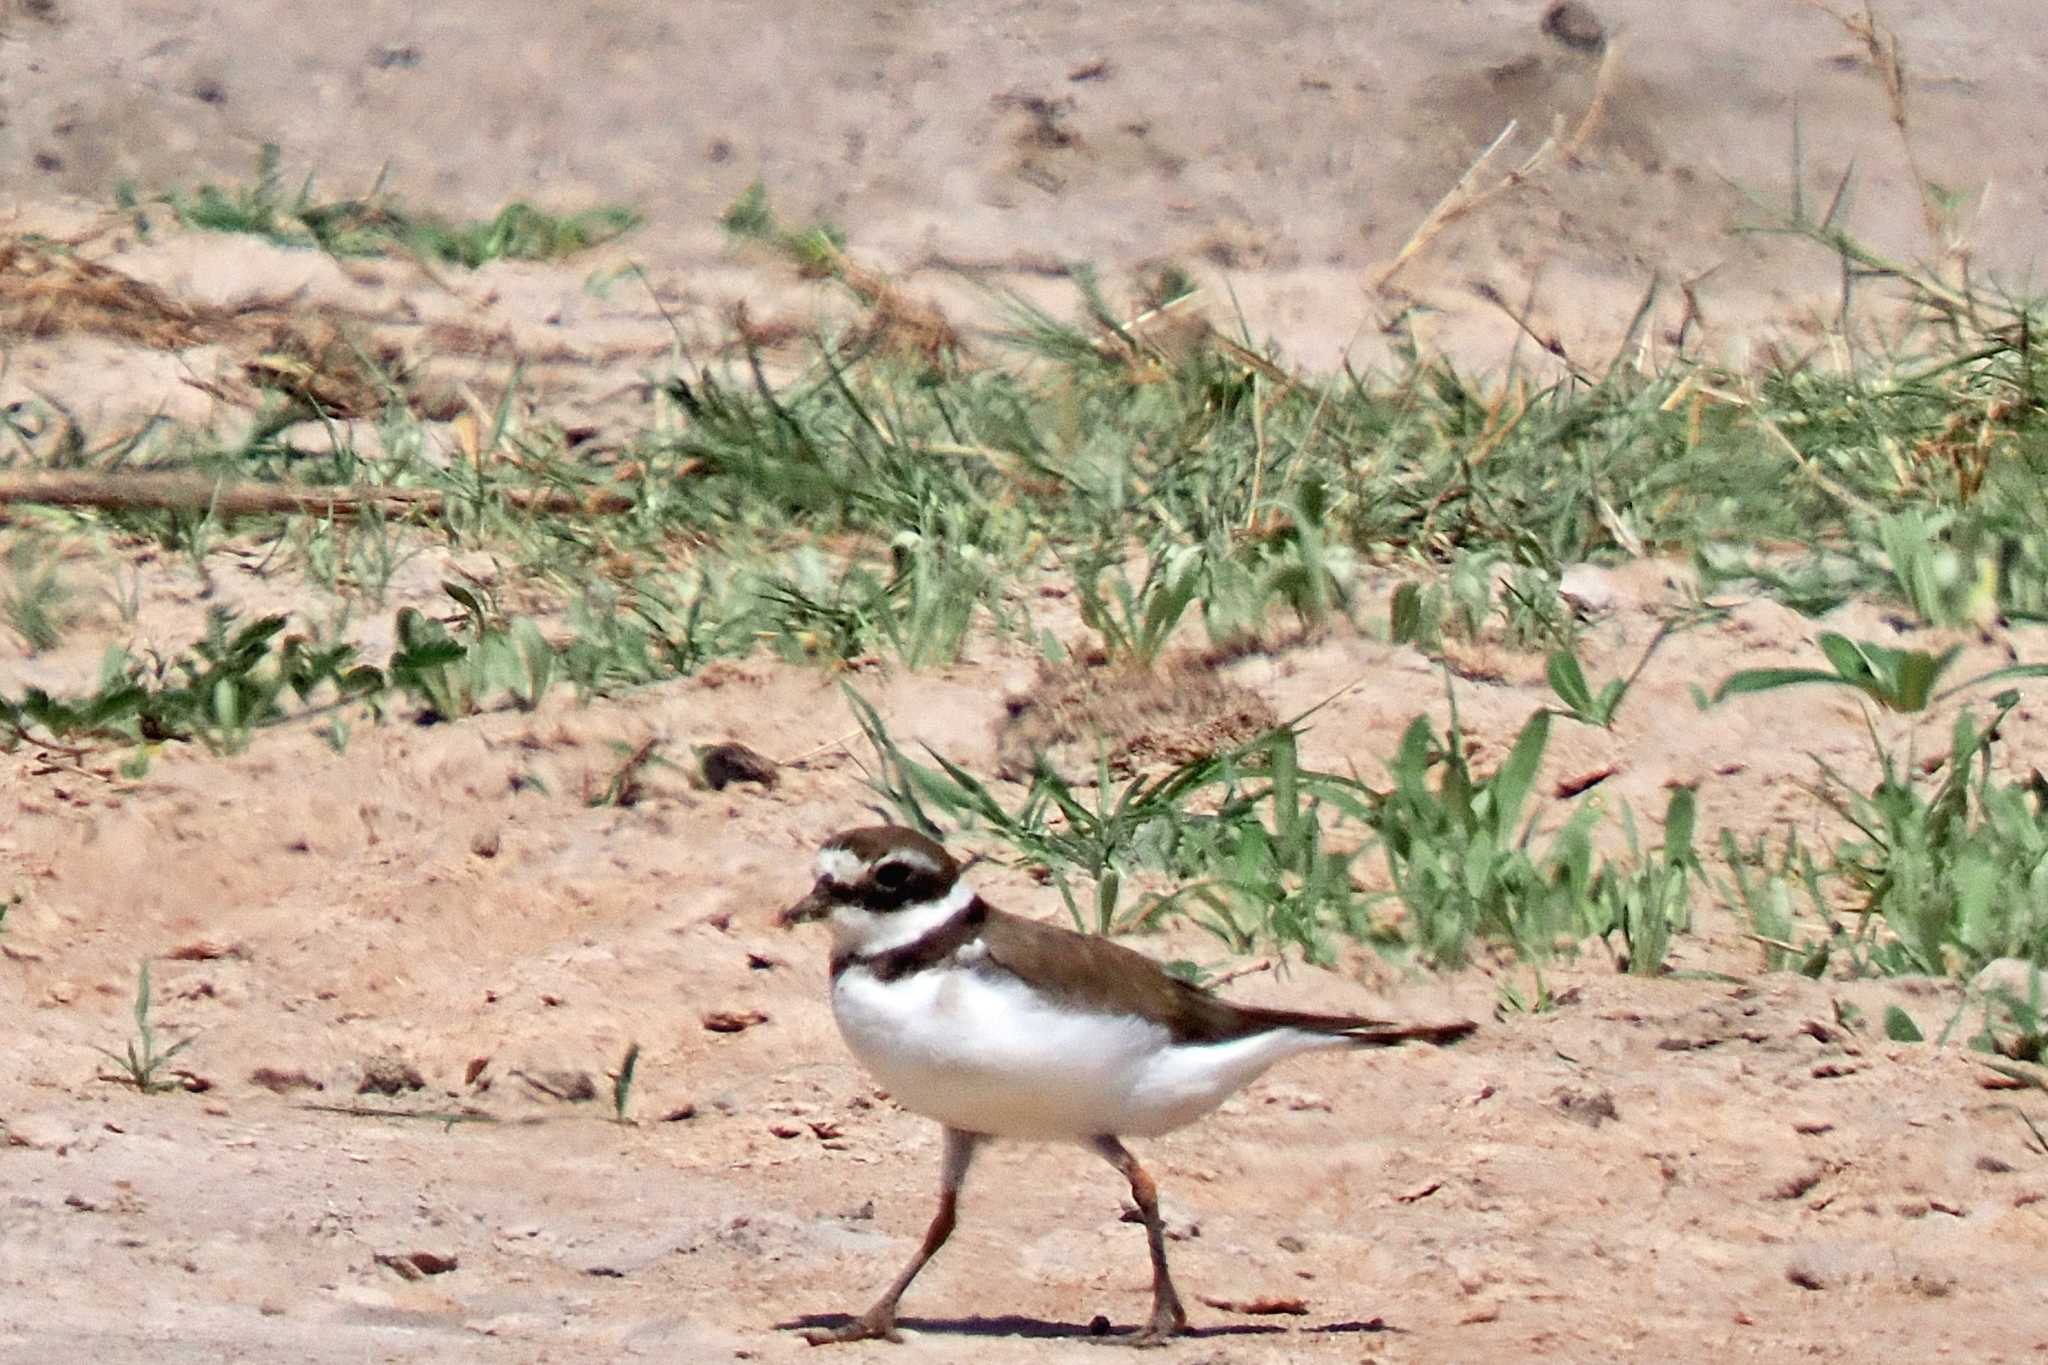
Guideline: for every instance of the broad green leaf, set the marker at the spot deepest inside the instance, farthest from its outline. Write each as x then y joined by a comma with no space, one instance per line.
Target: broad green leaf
1404,615
1568,680
1913,675
1510,786
1899,1026
1771,679
1679,818
1851,661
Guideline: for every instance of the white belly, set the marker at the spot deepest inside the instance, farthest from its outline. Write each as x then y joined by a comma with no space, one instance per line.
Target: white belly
979,1051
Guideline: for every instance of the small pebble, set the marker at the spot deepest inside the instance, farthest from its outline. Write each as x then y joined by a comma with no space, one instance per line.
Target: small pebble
1575,25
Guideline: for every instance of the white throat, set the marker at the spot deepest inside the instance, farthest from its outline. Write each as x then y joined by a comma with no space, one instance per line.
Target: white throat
859,932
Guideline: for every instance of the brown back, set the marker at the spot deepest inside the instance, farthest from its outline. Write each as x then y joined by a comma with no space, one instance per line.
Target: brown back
1089,973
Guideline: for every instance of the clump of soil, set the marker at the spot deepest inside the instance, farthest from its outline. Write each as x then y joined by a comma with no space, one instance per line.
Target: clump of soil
1136,717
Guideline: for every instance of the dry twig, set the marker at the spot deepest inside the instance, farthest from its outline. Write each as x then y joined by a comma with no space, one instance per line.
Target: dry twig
196,492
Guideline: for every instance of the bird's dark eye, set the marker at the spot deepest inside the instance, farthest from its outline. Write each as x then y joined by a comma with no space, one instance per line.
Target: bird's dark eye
892,876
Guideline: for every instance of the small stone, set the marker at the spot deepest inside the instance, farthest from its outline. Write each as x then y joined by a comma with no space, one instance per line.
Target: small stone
1933,1286
279,1080
725,764
41,1133
1799,1184
390,1075
1587,587
485,842
1591,1110
405,1268
1297,1100
205,950
565,1084
2014,976
1805,1276
1575,25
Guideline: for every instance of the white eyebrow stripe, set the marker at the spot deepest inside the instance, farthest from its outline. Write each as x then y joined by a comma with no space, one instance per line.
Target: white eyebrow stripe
914,856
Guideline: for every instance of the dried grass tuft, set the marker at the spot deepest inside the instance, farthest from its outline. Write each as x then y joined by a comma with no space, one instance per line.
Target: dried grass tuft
48,290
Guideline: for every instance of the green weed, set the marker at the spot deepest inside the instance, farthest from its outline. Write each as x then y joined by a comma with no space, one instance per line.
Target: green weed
1135,623
1252,840
234,680
622,1082
1763,891
1459,848
142,1062
377,225
33,601
1954,874
1935,877
1648,898
1103,839
1896,679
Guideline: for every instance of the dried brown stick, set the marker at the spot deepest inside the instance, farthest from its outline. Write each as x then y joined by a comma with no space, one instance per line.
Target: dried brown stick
196,492
1464,197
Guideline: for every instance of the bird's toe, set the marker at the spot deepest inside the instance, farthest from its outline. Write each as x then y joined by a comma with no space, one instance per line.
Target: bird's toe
865,1328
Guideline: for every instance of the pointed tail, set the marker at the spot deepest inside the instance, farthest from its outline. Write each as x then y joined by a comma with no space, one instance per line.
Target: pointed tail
1385,1035
1360,1031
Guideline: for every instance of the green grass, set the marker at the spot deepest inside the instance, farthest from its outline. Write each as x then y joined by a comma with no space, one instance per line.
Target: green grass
1940,873
378,225
878,506
1267,855
622,1083
142,1060
34,599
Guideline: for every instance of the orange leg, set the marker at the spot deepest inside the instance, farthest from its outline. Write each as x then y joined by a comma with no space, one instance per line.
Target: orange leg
879,1322
1168,1317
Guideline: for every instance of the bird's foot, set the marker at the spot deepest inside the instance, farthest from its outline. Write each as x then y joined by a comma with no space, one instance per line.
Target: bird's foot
1169,1320
869,1326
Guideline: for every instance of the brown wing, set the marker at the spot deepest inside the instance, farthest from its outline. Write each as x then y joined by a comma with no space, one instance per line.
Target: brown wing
1092,973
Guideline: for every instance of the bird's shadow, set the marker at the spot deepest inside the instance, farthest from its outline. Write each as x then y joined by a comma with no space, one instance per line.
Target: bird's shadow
1018,1325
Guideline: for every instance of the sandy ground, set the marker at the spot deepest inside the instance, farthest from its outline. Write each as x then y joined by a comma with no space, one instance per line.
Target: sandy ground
1683,1169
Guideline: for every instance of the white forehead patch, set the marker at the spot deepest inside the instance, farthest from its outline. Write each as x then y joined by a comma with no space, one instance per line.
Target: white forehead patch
842,867
839,866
